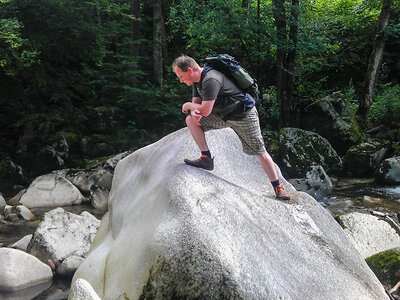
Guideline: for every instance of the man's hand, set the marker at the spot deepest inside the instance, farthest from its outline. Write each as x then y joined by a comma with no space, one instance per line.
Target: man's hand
186,107
195,115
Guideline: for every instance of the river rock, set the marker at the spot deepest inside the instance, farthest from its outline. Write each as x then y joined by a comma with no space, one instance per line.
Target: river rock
330,118
388,171
69,265
316,183
311,186
20,270
301,149
369,234
112,162
386,266
22,244
99,198
51,190
62,234
84,180
2,204
24,212
81,289
363,159
174,231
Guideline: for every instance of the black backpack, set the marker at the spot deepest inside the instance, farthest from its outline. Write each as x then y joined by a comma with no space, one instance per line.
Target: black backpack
227,65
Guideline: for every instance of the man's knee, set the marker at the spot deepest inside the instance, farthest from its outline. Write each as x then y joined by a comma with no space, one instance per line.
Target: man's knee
190,121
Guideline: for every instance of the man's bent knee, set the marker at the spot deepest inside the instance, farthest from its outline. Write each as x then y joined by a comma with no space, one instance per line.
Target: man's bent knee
190,121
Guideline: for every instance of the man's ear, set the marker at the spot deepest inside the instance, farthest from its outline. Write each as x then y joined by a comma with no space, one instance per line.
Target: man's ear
190,70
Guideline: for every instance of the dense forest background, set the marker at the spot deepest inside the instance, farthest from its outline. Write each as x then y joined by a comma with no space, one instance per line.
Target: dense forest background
85,79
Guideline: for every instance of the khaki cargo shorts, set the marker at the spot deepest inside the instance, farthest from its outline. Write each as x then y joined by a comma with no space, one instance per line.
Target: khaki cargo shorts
248,130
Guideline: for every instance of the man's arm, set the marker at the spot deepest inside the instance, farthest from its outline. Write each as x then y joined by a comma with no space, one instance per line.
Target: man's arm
204,107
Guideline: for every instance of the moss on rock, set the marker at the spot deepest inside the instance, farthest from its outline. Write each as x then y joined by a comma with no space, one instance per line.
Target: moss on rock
386,266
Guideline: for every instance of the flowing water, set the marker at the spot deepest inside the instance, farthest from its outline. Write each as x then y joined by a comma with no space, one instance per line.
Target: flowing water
350,195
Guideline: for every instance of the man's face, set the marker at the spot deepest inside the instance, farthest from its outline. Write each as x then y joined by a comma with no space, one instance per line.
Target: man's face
184,77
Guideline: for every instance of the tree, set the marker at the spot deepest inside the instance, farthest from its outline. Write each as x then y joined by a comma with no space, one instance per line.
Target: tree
159,42
367,93
285,56
135,36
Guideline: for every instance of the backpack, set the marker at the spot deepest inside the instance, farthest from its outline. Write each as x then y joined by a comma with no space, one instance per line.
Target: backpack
227,65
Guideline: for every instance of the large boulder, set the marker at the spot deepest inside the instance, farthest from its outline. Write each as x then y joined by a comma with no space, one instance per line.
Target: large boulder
174,231
20,270
388,171
301,149
363,159
51,190
369,234
331,118
62,234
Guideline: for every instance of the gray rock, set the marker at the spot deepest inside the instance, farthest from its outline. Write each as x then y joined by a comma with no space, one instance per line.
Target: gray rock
51,190
112,162
330,118
8,209
174,231
363,159
24,212
22,244
81,289
20,270
318,173
388,171
69,265
369,234
314,188
84,180
62,234
2,204
99,198
301,149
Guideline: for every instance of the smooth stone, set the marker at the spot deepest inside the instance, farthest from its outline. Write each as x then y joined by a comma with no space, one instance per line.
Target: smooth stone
20,270
369,234
22,244
81,289
51,190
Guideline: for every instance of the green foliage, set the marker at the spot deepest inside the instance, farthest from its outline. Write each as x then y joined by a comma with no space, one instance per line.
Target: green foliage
386,108
15,52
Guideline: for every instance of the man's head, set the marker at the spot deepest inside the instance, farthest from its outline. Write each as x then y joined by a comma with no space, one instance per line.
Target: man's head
187,69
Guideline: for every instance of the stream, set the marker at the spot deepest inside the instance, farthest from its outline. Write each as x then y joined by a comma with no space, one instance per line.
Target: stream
350,195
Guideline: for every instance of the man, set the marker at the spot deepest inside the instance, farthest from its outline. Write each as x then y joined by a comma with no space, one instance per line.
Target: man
217,103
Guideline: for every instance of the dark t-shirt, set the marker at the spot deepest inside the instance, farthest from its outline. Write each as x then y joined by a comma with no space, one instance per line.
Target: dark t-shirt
216,86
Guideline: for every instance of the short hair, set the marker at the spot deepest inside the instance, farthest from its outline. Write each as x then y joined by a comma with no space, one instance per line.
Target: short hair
183,62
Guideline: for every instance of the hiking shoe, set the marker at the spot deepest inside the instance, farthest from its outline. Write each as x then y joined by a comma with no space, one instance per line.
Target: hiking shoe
280,193
203,162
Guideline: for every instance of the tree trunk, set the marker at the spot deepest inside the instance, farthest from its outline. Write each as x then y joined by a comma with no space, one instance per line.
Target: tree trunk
158,34
135,36
367,93
285,58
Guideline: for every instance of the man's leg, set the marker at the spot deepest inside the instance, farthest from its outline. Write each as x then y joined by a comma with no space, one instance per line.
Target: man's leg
197,133
268,166
205,161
